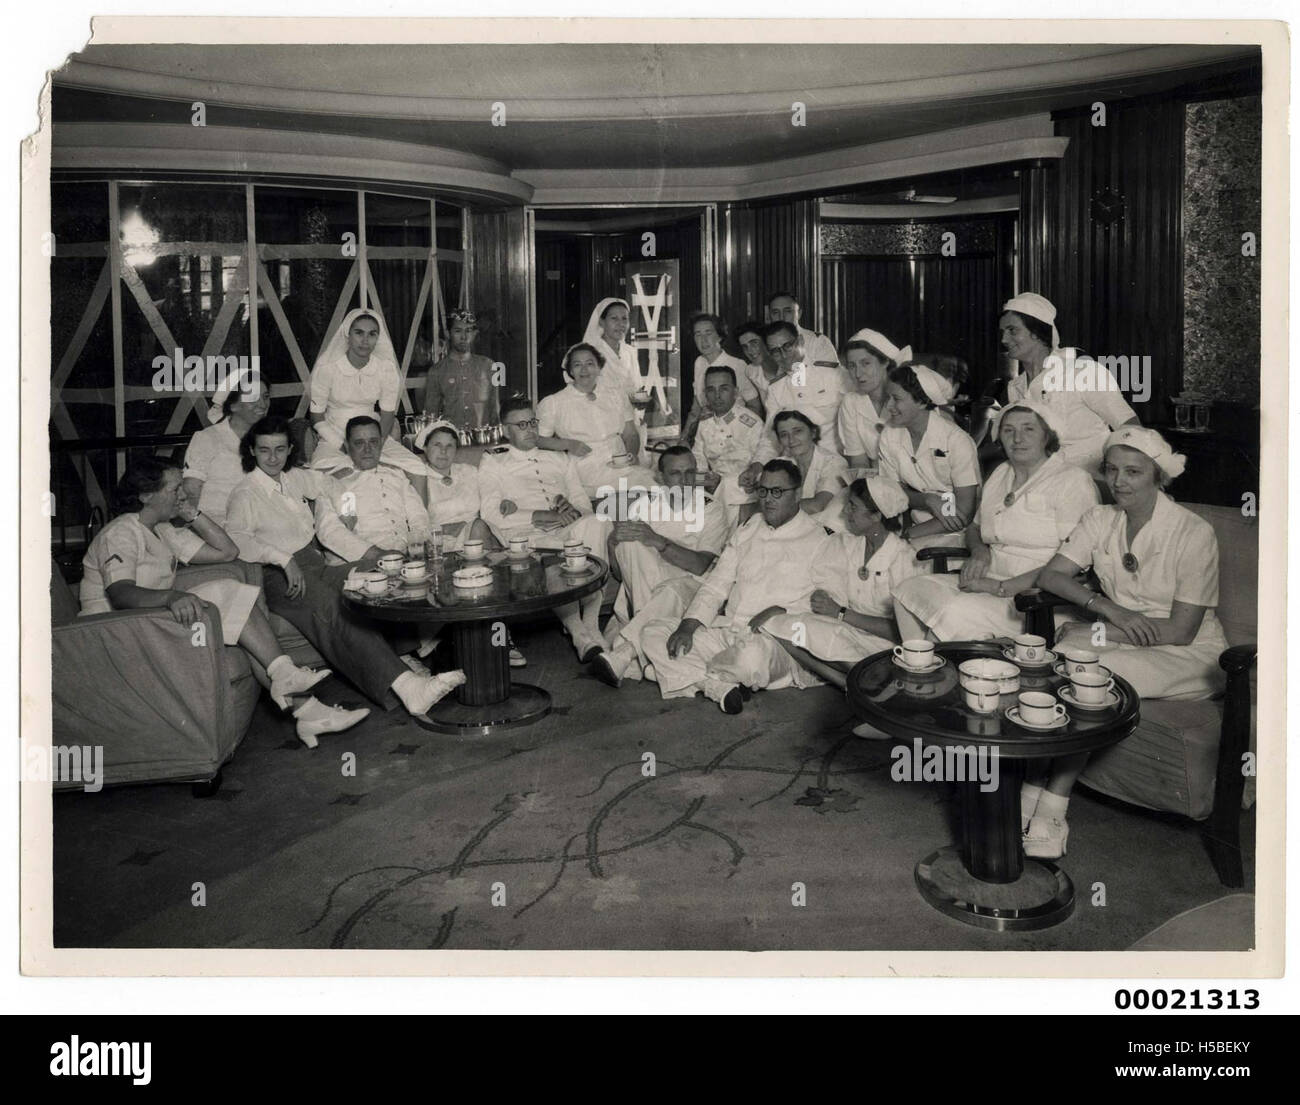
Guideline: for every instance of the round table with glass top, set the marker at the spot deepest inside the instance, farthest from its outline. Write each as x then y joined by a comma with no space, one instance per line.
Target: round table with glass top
478,617
986,880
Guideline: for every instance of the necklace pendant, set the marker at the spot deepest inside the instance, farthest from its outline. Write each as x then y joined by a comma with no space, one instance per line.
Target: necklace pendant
1130,562
1010,498
863,573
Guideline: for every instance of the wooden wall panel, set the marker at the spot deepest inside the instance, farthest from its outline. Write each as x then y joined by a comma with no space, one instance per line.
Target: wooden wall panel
1118,283
766,248
498,274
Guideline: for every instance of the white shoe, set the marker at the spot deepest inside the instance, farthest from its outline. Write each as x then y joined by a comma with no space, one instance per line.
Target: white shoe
1046,837
431,691
415,665
610,667
294,680
314,718
650,674
726,695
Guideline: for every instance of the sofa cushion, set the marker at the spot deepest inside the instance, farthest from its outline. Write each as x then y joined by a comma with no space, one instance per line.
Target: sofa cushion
1168,763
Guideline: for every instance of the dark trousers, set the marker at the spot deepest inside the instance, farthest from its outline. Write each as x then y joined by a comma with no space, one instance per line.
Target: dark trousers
352,649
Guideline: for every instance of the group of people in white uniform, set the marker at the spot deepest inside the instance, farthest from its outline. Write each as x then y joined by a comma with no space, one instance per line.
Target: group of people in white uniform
774,547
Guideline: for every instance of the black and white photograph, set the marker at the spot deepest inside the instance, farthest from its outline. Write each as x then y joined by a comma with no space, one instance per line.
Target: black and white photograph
769,489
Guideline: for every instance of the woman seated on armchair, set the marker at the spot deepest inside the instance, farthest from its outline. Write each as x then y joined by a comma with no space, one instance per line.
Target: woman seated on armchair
131,565
1155,625
1029,506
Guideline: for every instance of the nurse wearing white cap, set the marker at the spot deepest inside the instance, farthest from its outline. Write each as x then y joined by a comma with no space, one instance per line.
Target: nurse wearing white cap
1029,506
855,577
868,357
1084,394
931,457
1158,564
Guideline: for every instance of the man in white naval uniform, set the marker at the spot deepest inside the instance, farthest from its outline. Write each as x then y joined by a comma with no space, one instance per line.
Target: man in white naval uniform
669,540
527,491
763,570
820,350
372,508
726,442
813,389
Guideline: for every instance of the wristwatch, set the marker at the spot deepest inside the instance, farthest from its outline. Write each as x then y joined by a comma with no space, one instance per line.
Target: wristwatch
197,515
1002,588
840,616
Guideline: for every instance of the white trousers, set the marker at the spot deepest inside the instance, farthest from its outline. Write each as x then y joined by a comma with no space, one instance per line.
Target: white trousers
825,637
734,655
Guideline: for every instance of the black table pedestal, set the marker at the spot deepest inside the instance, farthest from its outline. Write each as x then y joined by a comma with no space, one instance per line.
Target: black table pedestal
487,700
987,881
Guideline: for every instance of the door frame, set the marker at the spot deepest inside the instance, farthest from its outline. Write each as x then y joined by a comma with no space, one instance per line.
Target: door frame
708,216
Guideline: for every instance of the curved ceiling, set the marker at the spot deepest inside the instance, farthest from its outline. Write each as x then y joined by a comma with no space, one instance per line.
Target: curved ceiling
611,108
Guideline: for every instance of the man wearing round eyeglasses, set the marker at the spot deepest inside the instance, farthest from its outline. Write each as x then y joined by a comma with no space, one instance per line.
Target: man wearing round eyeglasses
764,569
529,492
783,307
814,389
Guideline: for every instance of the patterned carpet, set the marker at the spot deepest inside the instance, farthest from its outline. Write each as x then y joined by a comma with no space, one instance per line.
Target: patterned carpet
619,822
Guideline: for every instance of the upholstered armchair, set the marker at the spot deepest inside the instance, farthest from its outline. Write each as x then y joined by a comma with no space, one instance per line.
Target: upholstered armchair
134,683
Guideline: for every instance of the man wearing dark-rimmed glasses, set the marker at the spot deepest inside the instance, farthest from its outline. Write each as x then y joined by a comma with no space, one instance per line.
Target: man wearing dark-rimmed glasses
764,569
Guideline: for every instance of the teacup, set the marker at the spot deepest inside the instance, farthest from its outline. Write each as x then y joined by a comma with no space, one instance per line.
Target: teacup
519,547
1079,660
414,570
391,564
1091,686
1038,708
621,460
917,654
473,550
572,545
981,695
1004,673
374,583
1030,647
575,562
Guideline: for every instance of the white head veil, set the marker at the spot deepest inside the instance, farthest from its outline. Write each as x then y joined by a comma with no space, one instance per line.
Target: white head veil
593,335
336,349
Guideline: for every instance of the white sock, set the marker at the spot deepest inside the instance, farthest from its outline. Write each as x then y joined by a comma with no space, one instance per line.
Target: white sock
406,686
1030,795
1052,806
279,664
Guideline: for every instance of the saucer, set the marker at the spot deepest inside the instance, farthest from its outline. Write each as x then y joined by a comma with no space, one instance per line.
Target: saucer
1033,665
1066,694
574,571
1012,713
939,662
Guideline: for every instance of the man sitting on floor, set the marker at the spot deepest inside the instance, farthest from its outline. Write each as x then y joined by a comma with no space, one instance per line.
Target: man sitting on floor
530,492
726,442
670,539
765,569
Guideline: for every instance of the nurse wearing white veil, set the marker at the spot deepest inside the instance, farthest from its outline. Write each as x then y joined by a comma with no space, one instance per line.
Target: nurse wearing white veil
607,330
355,371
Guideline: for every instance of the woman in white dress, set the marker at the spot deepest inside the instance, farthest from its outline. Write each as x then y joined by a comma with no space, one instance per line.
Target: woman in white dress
356,372
591,419
868,357
825,475
453,488
1158,564
1029,506
212,464
606,332
930,456
1084,394
131,565
855,579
